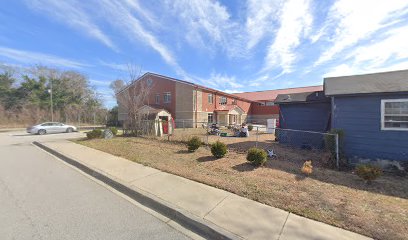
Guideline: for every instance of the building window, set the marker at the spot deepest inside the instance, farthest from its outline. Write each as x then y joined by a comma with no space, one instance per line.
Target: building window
167,97
210,118
157,98
261,103
210,98
269,103
394,114
223,100
234,101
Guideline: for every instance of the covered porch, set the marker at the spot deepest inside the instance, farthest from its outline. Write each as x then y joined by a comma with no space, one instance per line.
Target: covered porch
230,115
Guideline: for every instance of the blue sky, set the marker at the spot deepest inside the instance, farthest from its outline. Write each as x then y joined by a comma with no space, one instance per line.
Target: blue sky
232,46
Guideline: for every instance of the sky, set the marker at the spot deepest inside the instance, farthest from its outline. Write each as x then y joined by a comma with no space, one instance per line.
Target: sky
231,45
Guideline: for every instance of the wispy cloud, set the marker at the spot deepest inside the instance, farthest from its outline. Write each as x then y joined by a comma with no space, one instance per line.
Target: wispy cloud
29,57
388,54
123,67
350,22
261,19
207,25
119,16
295,23
222,81
102,83
70,13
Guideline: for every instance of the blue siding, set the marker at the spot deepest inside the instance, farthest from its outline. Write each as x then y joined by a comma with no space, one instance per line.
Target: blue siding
360,118
307,117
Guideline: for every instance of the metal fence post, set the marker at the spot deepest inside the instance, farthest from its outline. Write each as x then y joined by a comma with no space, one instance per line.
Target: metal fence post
257,131
206,134
337,151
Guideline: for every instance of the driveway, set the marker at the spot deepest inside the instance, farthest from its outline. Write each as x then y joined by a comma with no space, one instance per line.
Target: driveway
42,198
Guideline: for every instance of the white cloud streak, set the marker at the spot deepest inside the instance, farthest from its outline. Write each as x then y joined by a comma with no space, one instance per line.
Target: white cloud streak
119,16
207,25
295,23
221,81
69,13
29,57
354,21
261,18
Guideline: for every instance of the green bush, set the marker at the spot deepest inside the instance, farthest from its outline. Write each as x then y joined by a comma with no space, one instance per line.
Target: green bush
96,133
250,127
218,149
256,156
368,172
193,143
114,130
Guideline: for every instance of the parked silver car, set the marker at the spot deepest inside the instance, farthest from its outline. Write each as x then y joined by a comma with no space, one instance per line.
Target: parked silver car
51,127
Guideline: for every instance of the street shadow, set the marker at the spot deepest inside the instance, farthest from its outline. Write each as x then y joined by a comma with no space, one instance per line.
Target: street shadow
206,159
300,177
183,152
244,167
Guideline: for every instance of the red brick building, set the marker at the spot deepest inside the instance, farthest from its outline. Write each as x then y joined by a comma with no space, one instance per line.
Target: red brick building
195,103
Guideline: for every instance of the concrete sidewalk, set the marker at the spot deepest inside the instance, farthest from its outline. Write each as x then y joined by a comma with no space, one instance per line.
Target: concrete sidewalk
230,215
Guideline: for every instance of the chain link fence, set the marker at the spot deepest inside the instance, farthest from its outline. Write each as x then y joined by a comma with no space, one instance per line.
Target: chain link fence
284,143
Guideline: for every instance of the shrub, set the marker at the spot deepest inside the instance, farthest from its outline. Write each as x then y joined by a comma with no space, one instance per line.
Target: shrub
96,133
218,149
256,156
250,127
368,172
114,130
193,143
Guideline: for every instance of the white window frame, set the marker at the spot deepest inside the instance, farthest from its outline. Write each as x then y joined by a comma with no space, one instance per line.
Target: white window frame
383,101
210,97
157,98
212,117
167,97
223,102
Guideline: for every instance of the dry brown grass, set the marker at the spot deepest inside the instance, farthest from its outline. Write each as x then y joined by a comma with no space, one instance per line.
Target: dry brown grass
379,210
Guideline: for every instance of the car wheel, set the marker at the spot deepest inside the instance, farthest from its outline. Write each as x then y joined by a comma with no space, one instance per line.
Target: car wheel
70,130
41,132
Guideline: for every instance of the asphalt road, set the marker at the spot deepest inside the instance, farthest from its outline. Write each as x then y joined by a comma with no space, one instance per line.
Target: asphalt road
42,198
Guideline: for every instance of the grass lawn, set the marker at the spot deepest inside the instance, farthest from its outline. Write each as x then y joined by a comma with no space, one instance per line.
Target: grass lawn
379,210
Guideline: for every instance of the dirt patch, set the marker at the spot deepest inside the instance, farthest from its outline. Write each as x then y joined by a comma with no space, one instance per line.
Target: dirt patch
379,210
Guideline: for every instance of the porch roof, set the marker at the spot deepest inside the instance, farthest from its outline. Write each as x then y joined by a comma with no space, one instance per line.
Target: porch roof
228,108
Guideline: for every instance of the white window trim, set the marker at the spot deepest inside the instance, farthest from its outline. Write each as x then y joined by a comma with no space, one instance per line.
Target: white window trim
164,97
222,102
157,97
383,101
210,96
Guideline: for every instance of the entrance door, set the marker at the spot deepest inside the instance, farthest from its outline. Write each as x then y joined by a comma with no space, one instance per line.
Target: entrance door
165,124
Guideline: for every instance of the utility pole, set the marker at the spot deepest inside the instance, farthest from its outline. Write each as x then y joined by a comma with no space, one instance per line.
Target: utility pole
52,108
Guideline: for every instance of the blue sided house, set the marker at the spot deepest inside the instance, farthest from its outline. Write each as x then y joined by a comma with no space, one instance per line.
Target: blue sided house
372,110
308,111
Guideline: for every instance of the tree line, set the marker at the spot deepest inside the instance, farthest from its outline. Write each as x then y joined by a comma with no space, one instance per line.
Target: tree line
25,97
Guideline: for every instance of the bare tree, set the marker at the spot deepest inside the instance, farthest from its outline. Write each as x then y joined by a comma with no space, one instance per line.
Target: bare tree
131,97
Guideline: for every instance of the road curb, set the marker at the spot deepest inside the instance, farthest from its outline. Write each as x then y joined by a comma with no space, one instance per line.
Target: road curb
191,222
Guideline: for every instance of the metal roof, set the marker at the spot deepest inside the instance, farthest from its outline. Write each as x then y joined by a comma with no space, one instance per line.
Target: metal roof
270,95
187,83
384,82
305,97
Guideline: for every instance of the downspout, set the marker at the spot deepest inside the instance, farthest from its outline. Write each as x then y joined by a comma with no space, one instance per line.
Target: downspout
196,105
215,107
332,113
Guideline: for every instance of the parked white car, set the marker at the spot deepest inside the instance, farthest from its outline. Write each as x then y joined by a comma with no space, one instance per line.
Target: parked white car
51,127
